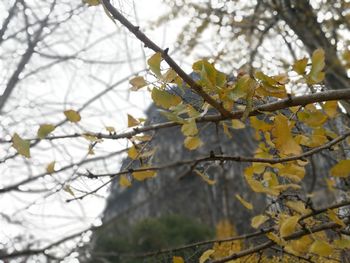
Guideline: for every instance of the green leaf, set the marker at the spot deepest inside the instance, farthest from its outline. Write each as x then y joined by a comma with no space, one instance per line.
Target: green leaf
164,99
21,146
154,63
72,115
44,130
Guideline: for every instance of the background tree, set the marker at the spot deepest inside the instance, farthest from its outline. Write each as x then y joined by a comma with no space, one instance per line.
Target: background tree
305,127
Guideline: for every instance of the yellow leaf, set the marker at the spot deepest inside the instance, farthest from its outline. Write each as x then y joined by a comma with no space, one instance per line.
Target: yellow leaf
260,125
92,2
178,260
342,243
330,108
90,137
284,187
110,129
192,143
68,189
257,186
276,239
288,225
237,124
341,169
205,256
299,66
205,177
143,138
321,248
316,75
292,171
21,146
164,99
124,181
189,128
258,220
169,76
154,63
334,217
244,202
132,121
133,153
142,175
51,167
137,83
72,115
312,117
302,244
298,206
284,140
44,130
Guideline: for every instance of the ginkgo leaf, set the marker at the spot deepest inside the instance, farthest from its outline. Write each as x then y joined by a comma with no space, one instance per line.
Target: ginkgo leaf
292,171
245,203
92,2
331,108
189,128
68,189
50,168
298,206
321,248
164,99
209,76
343,243
316,75
206,255
284,140
72,115
137,83
288,225
258,220
154,63
341,169
237,124
132,121
142,175
21,146
178,259
133,153
302,244
334,217
110,129
299,66
44,130
169,76
192,143
124,181
241,88
205,177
